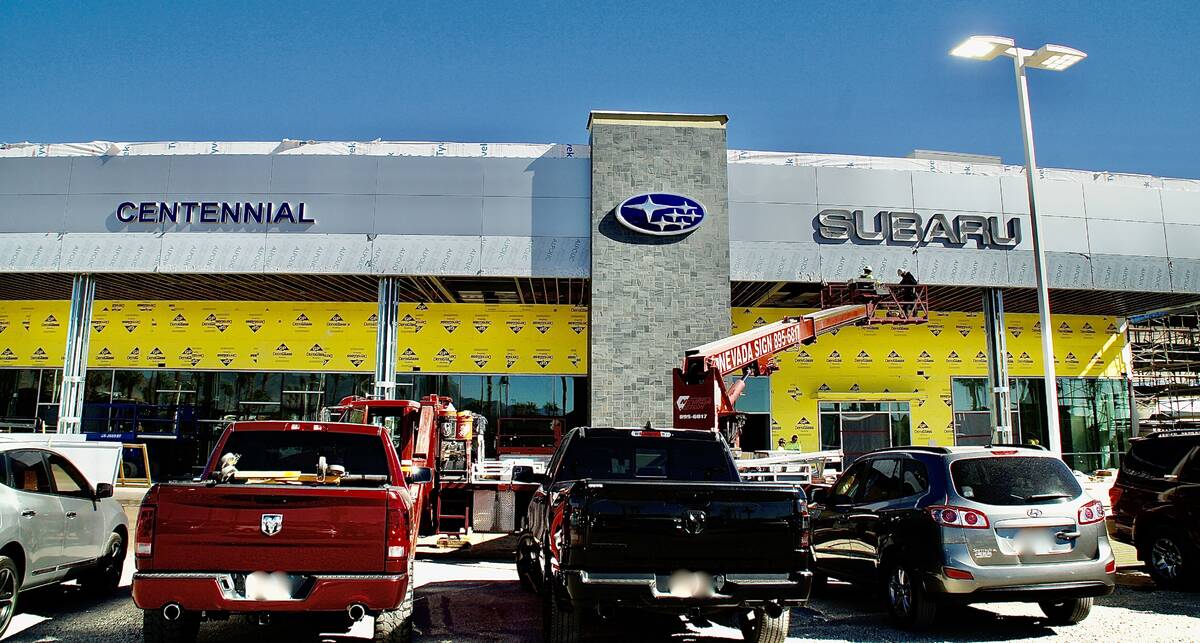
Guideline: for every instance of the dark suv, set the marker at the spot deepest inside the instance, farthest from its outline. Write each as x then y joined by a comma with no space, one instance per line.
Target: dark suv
1156,505
965,524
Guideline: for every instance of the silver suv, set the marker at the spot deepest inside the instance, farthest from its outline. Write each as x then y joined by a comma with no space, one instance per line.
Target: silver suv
965,524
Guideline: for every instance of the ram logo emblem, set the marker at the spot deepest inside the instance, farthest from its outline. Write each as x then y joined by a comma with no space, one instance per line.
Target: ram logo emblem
272,524
694,521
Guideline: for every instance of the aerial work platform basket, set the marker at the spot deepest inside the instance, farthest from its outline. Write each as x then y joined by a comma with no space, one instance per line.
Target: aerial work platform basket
886,303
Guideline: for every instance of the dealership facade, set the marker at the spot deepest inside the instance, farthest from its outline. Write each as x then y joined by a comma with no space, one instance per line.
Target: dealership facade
176,286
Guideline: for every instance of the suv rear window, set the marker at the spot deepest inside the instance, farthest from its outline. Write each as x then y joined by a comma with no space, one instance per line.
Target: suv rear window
1158,456
1014,480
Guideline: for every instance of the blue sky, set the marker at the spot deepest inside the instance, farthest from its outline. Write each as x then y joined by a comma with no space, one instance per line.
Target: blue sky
838,77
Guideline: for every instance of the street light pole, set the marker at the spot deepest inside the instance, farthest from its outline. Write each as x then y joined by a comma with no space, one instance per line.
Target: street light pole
1051,58
1039,258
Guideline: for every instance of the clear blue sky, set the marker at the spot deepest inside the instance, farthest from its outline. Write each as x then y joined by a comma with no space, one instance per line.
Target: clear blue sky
839,77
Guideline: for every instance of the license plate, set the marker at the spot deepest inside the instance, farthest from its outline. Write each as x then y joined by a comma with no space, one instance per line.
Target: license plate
686,584
263,586
1040,542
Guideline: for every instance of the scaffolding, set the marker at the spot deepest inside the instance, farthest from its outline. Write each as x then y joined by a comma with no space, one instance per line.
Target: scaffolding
1166,368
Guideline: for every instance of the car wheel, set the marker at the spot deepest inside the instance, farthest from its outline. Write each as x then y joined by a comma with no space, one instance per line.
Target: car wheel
396,626
527,566
106,576
563,623
908,602
759,627
1170,560
1067,612
157,629
10,586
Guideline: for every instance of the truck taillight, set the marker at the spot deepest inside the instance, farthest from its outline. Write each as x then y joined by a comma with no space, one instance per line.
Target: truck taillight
802,540
398,536
948,516
1092,512
144,544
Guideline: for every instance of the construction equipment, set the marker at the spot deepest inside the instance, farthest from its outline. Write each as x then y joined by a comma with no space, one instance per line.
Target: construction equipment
703,401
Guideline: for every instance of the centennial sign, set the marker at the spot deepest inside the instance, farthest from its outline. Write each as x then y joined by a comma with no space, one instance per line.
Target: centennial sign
212,212
910,228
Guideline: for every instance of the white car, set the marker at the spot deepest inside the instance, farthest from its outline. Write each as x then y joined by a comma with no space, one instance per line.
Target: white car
54,526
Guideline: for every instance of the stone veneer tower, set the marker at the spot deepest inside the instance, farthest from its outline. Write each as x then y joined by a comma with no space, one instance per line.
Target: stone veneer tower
653,297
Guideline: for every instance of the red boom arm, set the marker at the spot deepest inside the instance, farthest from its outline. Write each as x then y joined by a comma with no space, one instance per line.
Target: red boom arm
701,399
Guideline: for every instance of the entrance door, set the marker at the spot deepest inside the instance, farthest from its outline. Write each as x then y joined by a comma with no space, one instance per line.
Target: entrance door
861,427
756,433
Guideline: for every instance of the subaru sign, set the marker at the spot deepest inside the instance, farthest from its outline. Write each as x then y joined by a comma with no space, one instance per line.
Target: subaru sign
660,214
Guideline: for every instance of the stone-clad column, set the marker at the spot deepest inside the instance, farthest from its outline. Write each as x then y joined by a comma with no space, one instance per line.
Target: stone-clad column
654,296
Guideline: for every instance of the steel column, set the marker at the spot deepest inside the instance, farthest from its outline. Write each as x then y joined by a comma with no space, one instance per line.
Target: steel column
386,338
997,354
79,322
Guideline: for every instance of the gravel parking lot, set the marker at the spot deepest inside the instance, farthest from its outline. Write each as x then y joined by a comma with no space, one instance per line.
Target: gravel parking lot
477,601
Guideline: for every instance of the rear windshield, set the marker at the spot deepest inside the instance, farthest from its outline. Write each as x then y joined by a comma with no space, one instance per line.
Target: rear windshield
300,452
1014,480
635,458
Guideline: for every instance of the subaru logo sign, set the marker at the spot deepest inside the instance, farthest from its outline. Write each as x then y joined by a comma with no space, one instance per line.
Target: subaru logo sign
660,214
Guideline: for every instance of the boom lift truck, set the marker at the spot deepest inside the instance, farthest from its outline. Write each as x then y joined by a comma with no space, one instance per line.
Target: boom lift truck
467,491
701,398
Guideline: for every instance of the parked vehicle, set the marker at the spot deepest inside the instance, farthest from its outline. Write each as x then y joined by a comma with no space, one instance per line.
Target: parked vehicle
1156,505
967,525
292,518
660,520
55,527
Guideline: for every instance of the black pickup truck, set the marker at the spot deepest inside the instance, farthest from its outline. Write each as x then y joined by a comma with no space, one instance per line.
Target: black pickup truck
660,520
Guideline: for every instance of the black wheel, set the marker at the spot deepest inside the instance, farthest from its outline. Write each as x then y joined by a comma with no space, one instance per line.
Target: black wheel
527,566
1171,560
1067,612
562,623
10,586
909,604
759,627
157,629
106,576
396,626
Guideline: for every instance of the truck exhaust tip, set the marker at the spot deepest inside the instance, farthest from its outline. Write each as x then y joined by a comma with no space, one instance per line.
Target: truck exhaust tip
172,611
356,612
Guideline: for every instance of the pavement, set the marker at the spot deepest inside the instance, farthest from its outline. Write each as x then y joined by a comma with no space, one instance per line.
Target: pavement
463,598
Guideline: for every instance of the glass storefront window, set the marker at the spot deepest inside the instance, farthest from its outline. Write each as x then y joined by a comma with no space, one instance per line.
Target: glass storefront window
259,395
859,427
757,396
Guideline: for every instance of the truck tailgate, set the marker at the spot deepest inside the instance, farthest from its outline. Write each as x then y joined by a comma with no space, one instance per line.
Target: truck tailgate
221,528
664,526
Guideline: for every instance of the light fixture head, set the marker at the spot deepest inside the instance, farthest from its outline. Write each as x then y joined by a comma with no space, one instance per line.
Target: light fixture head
982,47
1054,57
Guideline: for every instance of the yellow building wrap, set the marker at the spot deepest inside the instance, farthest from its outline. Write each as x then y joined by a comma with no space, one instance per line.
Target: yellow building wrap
301,336
915,363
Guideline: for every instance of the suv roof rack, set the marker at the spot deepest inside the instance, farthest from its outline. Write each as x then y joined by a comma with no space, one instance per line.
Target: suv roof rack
930,449
1170,432
1010,445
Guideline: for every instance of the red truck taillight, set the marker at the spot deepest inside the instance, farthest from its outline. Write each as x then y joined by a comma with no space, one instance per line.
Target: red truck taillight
144,543
398,534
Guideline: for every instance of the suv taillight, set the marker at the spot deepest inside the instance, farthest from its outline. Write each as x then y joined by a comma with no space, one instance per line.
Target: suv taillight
144,544
949,516
1114,496
1091,512
397,530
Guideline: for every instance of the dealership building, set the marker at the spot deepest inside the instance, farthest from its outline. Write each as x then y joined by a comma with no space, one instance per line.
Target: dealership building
171,287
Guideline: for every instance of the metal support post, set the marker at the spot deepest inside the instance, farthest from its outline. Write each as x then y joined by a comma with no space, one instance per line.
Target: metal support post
1039,259
386,338
997,354
79,322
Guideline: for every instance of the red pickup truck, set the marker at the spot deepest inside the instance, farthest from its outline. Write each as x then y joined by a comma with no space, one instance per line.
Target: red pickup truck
290,518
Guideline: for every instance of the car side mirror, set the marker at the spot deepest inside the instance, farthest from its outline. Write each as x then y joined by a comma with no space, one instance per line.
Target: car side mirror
104,490
819,496
837,500
523,473
419,475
